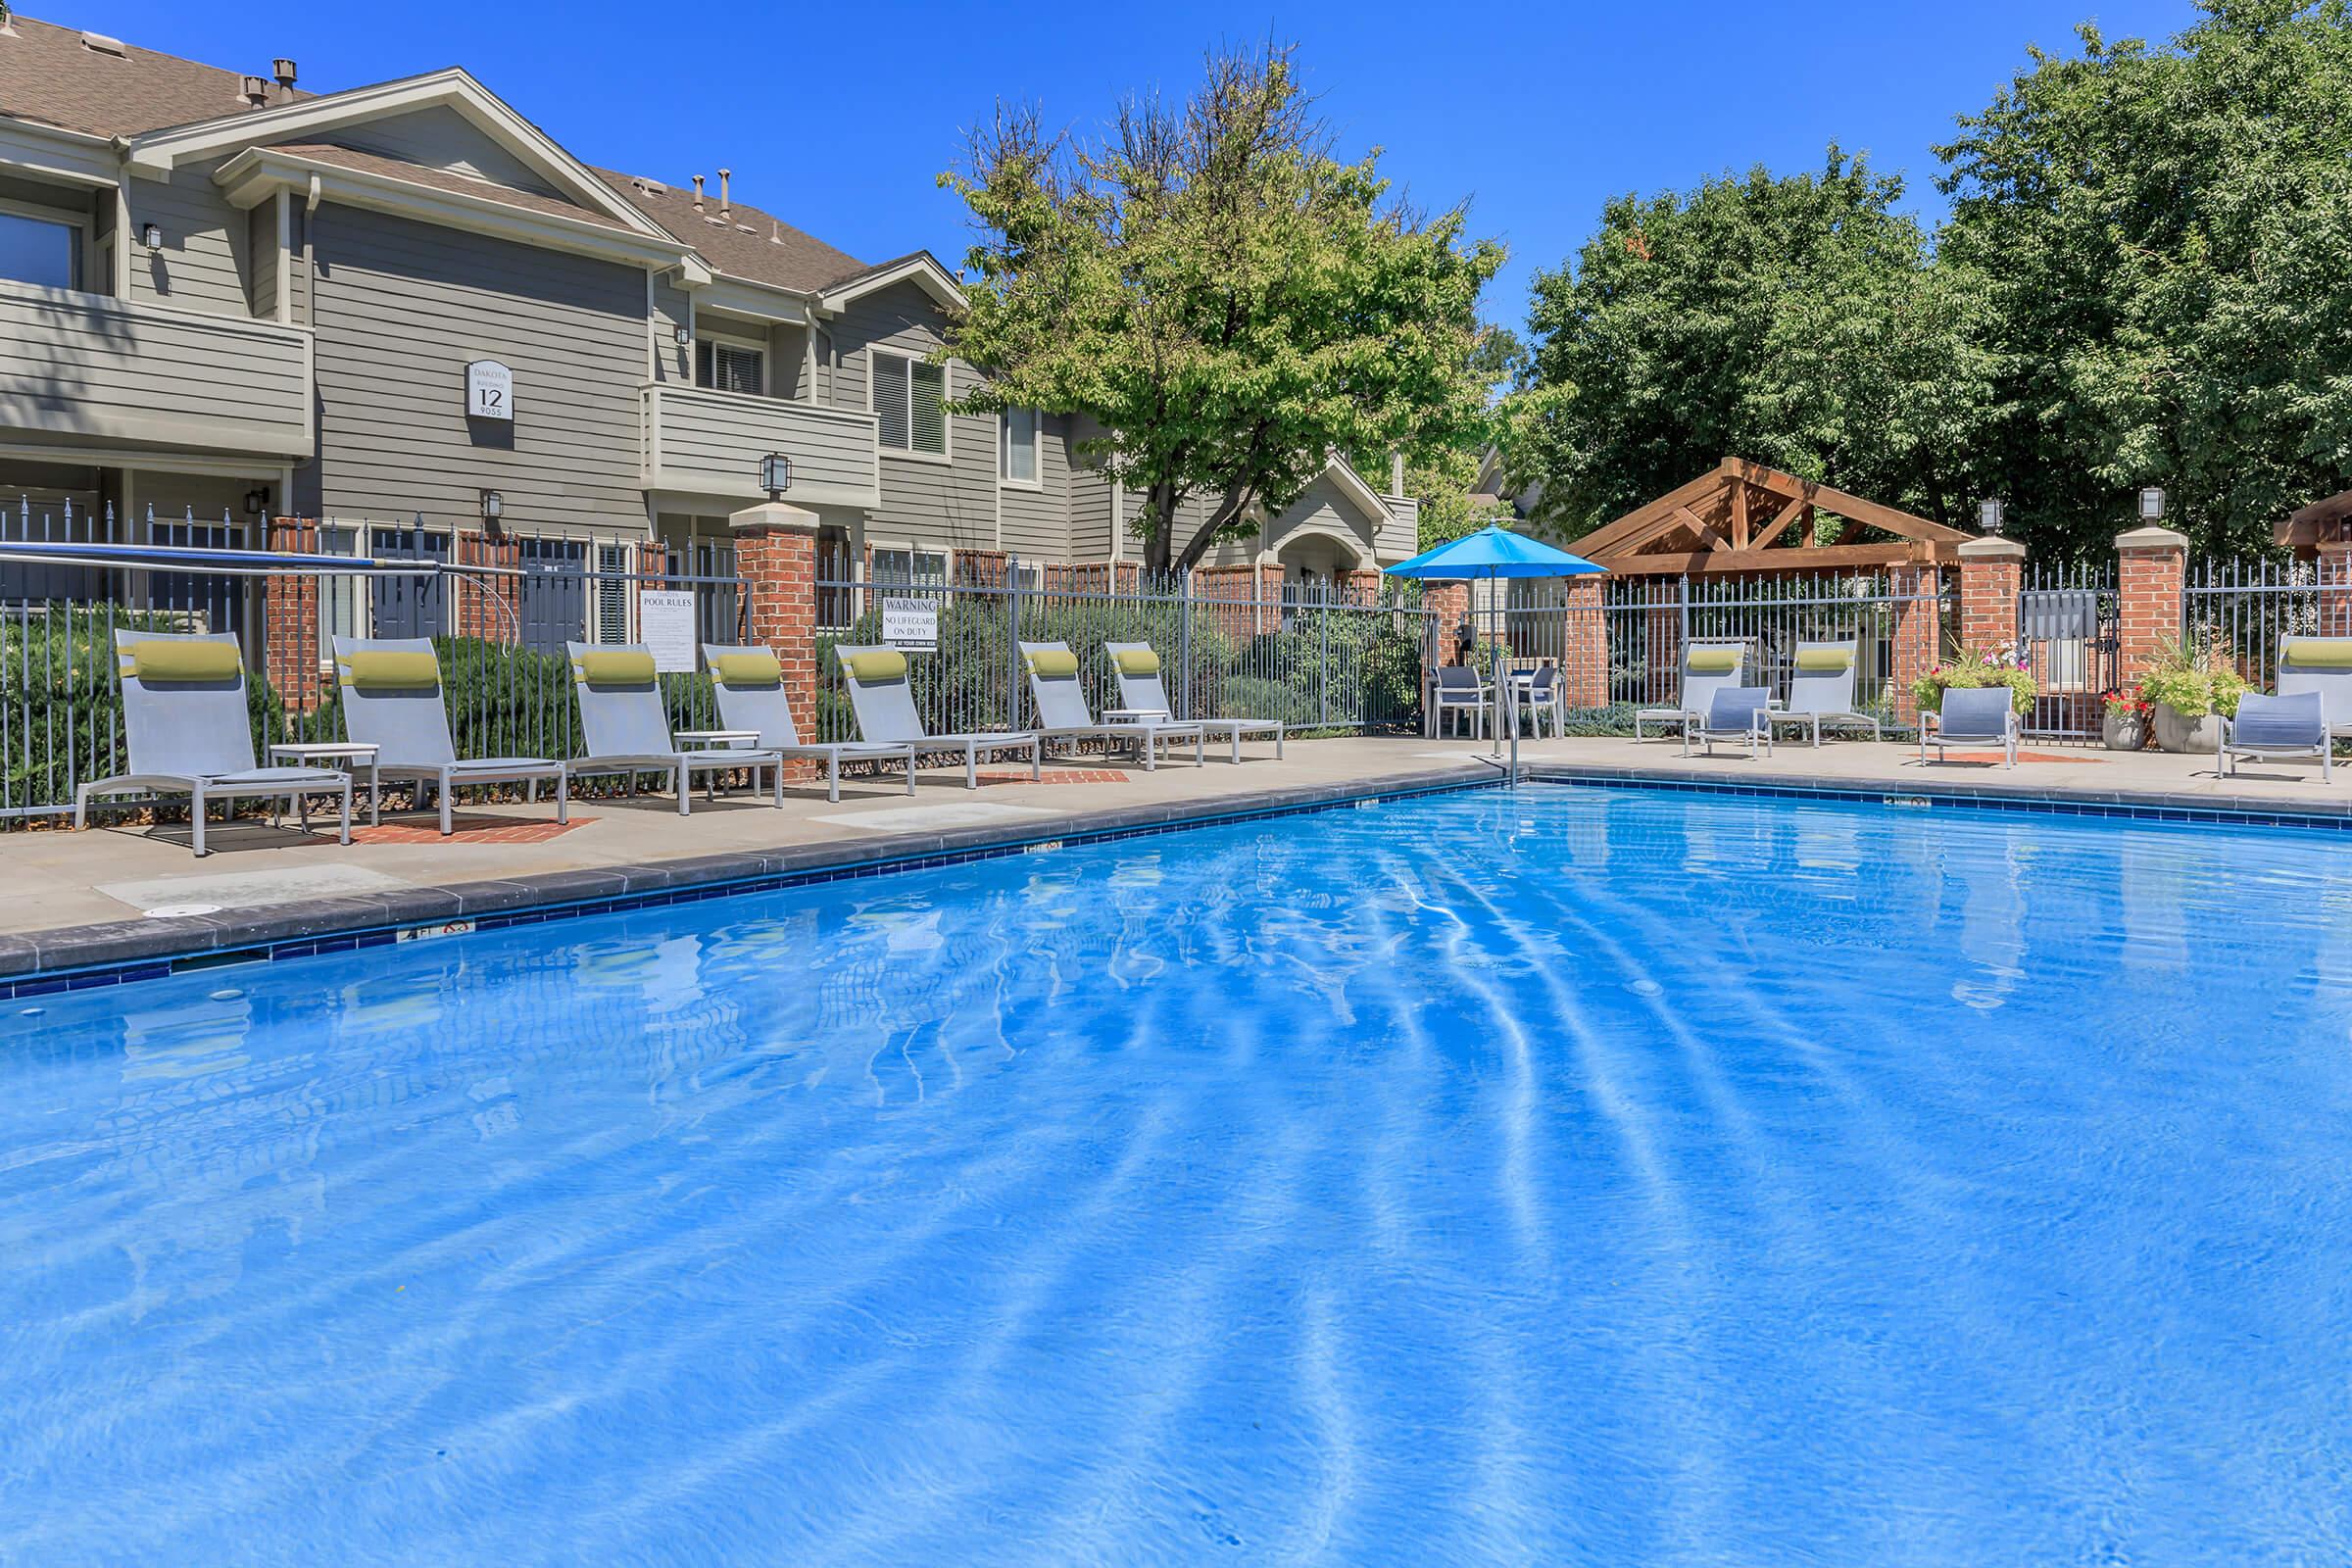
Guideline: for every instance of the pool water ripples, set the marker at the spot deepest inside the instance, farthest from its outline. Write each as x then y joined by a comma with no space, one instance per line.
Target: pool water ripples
1563,1176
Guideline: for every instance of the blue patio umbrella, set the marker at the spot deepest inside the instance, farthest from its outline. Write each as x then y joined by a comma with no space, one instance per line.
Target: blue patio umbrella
1493,552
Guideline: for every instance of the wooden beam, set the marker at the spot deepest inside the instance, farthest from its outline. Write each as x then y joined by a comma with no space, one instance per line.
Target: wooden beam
1614,534
1739,498
1708,534
1827,557
1781,521
1895,521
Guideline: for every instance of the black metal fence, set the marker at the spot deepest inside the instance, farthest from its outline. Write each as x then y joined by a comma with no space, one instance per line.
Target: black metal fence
2240,609
2068,622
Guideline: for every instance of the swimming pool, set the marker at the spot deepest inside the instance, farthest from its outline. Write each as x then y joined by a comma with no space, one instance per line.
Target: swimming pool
1574,1175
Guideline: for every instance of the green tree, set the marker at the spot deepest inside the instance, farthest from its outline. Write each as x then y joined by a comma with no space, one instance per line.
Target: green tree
1796,320
1232,301
2158,237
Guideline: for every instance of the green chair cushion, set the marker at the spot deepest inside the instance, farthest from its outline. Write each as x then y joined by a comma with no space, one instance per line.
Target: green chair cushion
1834,660
883,663
184,664
1136,662
2319,653
1054,662
1712,660
747,669
616,666
389,670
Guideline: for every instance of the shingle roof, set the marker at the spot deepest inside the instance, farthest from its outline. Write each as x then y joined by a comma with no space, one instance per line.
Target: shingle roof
446,179
749,244
47,73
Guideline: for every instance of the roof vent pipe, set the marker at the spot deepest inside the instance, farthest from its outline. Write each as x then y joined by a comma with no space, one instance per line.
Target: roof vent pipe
725,206
256,90
698,193
283,69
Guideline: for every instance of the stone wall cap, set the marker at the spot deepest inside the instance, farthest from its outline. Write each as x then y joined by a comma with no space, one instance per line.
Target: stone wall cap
773,515
2152,537
1991,550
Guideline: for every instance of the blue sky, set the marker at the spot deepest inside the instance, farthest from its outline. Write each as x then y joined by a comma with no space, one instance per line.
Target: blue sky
837,119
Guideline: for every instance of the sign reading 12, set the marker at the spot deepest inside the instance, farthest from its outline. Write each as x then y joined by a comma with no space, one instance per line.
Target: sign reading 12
489,391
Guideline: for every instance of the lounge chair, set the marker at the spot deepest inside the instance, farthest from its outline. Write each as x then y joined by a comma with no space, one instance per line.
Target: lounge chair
1461,692
1541,697
1733,714
627,732
2294,725
750,683
1062,713
392,701
1142,690
187,729
884,703
1708,666
2324,665
1822,691
1972,715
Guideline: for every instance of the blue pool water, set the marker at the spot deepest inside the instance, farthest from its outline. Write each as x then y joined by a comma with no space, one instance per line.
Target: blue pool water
1579,1176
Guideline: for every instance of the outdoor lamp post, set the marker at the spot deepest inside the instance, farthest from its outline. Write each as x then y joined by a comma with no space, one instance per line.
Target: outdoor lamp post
2151,505
1989,514
775,475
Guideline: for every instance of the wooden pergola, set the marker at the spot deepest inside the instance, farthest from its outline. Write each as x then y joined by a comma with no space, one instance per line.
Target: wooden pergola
1743,516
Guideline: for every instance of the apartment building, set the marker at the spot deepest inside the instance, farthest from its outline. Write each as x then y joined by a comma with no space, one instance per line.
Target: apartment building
403,311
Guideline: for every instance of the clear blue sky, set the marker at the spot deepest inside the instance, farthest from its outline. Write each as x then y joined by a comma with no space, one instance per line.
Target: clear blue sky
837,119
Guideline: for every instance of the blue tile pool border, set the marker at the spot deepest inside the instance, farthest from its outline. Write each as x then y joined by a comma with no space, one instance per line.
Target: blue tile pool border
82,958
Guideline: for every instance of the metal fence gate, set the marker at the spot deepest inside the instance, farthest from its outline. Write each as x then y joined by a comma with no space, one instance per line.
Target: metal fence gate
2068,630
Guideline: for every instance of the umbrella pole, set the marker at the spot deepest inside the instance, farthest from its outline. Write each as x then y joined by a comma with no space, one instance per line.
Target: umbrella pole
1494,623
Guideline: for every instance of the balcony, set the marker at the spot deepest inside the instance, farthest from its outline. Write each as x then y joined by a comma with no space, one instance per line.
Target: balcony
87,374
708,444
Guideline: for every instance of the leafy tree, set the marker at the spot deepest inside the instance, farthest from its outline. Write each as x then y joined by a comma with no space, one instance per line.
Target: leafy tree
1232,301
1797,320
2158,237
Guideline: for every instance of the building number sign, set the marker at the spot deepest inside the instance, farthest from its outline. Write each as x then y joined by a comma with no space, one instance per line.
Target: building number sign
489,391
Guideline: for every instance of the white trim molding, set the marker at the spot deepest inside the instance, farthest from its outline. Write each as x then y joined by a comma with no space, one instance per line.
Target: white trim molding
922,269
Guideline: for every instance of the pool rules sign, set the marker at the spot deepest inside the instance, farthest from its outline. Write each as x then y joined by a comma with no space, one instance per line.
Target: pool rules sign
489,391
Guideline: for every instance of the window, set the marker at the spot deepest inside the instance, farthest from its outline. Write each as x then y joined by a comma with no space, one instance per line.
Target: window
910,403
910,568
40,249
1018,464
729,367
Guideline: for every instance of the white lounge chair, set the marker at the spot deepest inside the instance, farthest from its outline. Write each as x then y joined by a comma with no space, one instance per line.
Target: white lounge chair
2289,726
392,701
188,731
750,683
626,731
1733,714
2323,666
1822,691
1144,690
1972,715
884,703
1709,665
1062,713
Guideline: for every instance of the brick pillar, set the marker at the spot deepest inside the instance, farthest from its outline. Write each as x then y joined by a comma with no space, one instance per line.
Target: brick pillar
1452,602
1990,574
1584,646
2333,570
1918,634
290,619
476,613
2151,569
775,554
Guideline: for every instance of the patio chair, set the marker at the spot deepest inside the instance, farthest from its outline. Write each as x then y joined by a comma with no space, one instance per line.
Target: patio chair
1822,691
1978,715
2294,725
1733,714
1062,713
2323,666
626,731
391,690
1541,696
1708,666
1461,692
1142,690
750,683
883,700
187,729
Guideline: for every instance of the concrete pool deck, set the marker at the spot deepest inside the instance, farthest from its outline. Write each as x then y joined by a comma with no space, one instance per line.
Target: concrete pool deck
82,902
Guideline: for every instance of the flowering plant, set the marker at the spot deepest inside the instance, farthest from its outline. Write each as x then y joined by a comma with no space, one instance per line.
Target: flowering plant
2129,702
2193,681
2004,666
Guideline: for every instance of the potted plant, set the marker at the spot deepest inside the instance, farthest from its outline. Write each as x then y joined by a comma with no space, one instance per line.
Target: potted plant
2189,691
2001,666
2125,726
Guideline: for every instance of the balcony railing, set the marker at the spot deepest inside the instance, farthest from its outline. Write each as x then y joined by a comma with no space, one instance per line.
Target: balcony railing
703,443
91,371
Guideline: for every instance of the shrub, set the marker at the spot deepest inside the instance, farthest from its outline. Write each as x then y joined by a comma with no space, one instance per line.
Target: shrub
2001,668
2192,682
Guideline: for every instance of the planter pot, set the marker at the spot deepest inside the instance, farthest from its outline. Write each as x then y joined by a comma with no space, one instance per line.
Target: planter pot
2179,732
2124,732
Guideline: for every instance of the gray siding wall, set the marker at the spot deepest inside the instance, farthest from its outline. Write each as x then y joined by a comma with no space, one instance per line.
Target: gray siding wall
442,138
203,264
261,246
1323,508
401,307
924,501
1037,522
672,309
